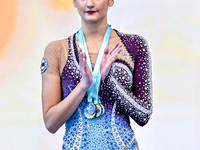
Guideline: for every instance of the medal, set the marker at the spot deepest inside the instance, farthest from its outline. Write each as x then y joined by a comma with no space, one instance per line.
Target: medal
89,110
98,110
94,108
102,109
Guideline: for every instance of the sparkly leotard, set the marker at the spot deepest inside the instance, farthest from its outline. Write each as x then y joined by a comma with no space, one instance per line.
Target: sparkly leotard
126,91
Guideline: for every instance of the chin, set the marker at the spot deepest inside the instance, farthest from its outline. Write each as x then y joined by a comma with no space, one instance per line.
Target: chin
93,20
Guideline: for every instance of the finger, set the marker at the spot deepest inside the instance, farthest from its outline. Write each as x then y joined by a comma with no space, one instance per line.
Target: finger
79,50
118,48
113,48
84,64
84,55
106,50
84,60
80,56
105,53
114,56
116,51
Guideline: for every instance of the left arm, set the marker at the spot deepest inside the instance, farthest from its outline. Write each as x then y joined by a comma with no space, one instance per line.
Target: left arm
140,108
137,103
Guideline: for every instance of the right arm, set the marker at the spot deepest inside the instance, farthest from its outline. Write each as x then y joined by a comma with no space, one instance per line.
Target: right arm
55,111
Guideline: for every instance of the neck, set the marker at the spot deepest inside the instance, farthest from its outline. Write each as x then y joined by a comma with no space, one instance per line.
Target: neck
94,31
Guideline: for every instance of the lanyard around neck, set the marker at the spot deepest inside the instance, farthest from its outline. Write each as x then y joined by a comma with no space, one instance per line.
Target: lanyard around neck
93,90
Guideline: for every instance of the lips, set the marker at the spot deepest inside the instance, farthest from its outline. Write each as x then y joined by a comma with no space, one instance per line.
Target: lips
90,12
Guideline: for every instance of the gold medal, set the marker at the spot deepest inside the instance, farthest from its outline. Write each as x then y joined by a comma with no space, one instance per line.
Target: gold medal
98,110
102,109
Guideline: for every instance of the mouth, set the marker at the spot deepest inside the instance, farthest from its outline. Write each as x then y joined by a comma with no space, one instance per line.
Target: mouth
90,12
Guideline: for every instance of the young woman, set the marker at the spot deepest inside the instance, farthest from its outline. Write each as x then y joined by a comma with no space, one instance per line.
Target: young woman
94,80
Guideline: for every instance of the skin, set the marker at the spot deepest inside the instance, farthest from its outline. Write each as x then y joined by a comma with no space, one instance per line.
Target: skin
55,111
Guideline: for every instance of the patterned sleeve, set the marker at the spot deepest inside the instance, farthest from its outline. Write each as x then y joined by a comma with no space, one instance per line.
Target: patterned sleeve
142,85
137,100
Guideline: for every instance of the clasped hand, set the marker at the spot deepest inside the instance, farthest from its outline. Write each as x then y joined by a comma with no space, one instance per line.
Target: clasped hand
106,63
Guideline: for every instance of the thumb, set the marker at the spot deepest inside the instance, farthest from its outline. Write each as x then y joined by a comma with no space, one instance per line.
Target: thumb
106,50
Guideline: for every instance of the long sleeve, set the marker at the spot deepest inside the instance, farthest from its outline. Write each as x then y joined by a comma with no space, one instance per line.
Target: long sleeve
142,84
134,93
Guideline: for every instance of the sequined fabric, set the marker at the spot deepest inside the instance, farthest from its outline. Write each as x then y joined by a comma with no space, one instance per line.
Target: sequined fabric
126,91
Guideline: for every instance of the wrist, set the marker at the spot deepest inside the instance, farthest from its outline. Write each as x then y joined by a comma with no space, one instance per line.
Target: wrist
84,86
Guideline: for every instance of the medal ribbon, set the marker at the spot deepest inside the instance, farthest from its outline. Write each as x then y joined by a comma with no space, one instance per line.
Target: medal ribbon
93,90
